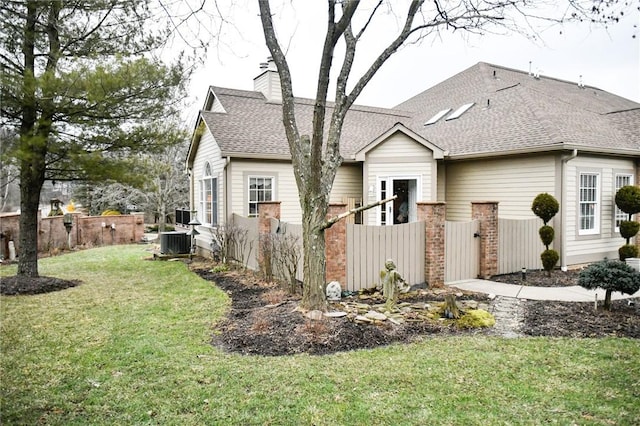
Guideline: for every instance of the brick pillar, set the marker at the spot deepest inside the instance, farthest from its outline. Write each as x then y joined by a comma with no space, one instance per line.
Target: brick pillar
433,214
336,246
487,213
267,210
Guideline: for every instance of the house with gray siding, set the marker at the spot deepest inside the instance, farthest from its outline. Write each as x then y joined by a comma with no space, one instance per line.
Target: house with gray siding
488,133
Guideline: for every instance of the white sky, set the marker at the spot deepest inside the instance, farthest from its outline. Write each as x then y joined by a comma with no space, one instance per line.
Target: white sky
607,59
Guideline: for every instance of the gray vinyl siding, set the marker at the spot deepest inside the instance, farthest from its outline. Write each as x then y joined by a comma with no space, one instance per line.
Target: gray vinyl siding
348,183
513,182
399,157
589,248
208,151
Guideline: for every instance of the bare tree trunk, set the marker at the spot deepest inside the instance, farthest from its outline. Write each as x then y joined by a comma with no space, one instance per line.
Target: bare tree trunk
31,182
313,290
607,300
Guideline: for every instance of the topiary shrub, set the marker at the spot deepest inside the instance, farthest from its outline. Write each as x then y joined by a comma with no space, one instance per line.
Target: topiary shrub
549,259
628,199
627,251
545,206
547,234
110,213
610,275
629,229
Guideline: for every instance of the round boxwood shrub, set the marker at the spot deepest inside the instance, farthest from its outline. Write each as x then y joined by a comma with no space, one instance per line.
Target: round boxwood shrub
545,206
628,229
110,213
549,259
546,235
627,251
610,275
628,199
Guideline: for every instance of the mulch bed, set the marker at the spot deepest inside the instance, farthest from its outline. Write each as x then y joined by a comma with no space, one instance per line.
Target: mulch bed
540,278
264,320
15,285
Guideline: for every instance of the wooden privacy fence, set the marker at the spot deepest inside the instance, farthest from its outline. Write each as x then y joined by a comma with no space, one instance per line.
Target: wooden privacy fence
519,245
462,250
432,250
246,251
368,248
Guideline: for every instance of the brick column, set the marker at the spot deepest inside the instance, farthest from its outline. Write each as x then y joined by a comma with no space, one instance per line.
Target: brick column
433,214
487,213
336,246
267,210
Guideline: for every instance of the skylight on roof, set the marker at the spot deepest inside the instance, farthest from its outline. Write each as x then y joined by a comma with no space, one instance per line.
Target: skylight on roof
457,113
438,116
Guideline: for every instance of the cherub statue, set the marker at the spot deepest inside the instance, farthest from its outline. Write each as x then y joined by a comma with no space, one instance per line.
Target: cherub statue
392,284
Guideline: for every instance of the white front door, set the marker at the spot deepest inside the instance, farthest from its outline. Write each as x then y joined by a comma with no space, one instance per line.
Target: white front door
403,208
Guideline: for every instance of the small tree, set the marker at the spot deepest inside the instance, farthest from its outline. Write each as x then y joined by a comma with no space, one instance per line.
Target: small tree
545,206
628,200
610,275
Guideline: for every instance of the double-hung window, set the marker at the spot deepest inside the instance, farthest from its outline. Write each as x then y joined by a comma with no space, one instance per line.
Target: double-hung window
621,180
209,197
260,189
589,204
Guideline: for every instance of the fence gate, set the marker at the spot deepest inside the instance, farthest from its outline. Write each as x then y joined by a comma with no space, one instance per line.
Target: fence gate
462,250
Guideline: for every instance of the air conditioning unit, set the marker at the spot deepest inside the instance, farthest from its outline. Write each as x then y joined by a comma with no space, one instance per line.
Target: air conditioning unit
174,243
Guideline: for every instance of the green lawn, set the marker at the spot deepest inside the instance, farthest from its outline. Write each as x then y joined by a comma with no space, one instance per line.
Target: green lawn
131,346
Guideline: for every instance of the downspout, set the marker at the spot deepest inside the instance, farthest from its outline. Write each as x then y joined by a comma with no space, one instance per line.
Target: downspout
563,209
227,207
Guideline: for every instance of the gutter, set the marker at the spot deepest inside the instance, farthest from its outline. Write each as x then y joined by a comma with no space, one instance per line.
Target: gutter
563,204
227,207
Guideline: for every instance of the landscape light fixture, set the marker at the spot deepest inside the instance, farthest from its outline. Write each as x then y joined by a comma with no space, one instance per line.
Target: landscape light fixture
193,223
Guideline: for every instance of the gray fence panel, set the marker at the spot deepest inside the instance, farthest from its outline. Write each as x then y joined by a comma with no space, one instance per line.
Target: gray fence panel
249,252
368,248
296,232
519,245
462,251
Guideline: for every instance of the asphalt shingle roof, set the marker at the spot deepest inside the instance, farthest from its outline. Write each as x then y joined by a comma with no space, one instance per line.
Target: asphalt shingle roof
513,111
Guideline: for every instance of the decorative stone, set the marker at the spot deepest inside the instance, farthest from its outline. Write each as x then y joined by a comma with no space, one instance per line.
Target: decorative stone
334,290
361,319
376,316
335,314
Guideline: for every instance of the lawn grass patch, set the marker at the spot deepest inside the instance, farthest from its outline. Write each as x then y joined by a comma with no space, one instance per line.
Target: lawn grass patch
131,346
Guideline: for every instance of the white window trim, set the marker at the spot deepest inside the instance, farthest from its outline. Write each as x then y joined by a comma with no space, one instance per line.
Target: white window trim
598,204
259,176
214,187
615,190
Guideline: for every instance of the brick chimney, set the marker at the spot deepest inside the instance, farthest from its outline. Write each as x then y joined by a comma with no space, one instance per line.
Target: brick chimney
268,81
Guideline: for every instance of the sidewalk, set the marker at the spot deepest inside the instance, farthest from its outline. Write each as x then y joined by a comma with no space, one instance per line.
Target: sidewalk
562,294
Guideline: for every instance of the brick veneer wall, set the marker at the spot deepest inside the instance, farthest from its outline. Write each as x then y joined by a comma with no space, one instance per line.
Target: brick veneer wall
336,247
86,231
487,213
433,214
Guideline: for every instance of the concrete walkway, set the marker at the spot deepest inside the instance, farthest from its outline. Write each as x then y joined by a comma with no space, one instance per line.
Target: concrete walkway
563,294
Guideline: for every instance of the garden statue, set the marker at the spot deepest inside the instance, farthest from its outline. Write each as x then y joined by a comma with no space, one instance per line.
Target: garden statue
334,290
392,284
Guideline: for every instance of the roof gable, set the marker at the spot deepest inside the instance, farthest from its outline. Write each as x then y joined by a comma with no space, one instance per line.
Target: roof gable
438,153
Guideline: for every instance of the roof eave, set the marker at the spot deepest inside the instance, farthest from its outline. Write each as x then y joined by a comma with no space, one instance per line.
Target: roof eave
618,152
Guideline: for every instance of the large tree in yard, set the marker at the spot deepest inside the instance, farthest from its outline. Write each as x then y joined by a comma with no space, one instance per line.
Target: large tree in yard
82,90
316,156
